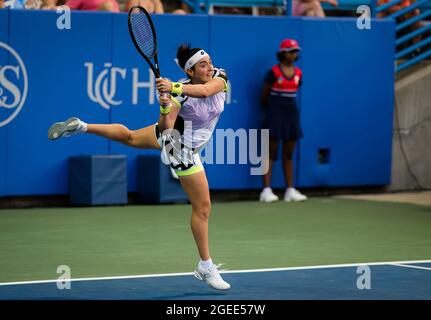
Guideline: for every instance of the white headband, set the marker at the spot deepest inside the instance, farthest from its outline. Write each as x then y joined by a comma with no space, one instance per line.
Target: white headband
193,59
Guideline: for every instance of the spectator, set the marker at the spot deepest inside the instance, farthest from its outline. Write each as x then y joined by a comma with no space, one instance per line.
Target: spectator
411,14
152,6
34,4
175,7
102,5
401,5
12,4
279,97
310,8
29,4
52,4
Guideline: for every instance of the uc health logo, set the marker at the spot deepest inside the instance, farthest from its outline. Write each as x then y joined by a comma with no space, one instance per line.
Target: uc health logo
13,85
102,85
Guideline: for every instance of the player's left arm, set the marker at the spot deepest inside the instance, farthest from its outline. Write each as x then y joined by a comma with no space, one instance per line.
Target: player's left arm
210,88
215,85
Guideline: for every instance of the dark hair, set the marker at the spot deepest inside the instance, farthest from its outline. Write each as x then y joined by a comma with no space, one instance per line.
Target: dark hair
184,52
281,56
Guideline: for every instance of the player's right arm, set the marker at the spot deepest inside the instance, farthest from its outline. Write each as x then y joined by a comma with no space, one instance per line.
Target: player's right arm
168,115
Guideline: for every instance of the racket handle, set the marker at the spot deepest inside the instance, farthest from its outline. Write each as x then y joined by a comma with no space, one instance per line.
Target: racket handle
165,94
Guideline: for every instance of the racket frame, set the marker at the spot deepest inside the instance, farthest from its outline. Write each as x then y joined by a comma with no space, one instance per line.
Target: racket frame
155,67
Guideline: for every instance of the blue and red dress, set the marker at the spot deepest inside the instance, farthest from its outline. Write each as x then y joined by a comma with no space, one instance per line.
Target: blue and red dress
283,114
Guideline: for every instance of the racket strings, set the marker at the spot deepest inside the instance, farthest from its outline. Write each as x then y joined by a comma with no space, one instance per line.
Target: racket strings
143,32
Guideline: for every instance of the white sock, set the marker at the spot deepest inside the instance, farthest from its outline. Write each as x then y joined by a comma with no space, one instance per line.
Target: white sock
267,189
206,263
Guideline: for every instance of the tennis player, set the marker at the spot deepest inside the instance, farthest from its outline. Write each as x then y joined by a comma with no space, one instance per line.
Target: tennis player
279,93
188,116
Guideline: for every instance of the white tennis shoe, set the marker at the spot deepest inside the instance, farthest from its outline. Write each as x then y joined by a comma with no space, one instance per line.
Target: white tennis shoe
267,196
70,127
212,277
292,194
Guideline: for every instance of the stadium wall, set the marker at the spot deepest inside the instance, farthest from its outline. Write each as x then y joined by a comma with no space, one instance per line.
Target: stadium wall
92,71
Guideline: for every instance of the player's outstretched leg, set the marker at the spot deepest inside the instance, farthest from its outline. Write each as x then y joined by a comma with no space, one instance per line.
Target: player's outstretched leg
145,138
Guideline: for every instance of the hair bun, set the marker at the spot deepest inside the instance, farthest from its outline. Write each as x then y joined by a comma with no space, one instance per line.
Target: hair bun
184,52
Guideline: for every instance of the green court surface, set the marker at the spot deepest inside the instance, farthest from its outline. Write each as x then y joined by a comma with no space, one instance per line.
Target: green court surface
137,240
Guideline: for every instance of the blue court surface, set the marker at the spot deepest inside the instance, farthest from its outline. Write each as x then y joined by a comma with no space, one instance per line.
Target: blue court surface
408,280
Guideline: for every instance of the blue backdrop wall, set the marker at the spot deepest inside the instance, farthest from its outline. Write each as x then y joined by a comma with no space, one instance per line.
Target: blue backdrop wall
92,71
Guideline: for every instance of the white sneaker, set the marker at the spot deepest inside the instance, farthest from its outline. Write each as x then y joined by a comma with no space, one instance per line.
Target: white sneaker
66,128
292,194
267,195
212,277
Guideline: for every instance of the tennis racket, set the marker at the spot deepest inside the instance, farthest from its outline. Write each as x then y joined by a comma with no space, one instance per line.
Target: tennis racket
143,34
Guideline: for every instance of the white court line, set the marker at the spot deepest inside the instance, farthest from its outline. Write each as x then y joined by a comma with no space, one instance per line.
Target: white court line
232,271
408,266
